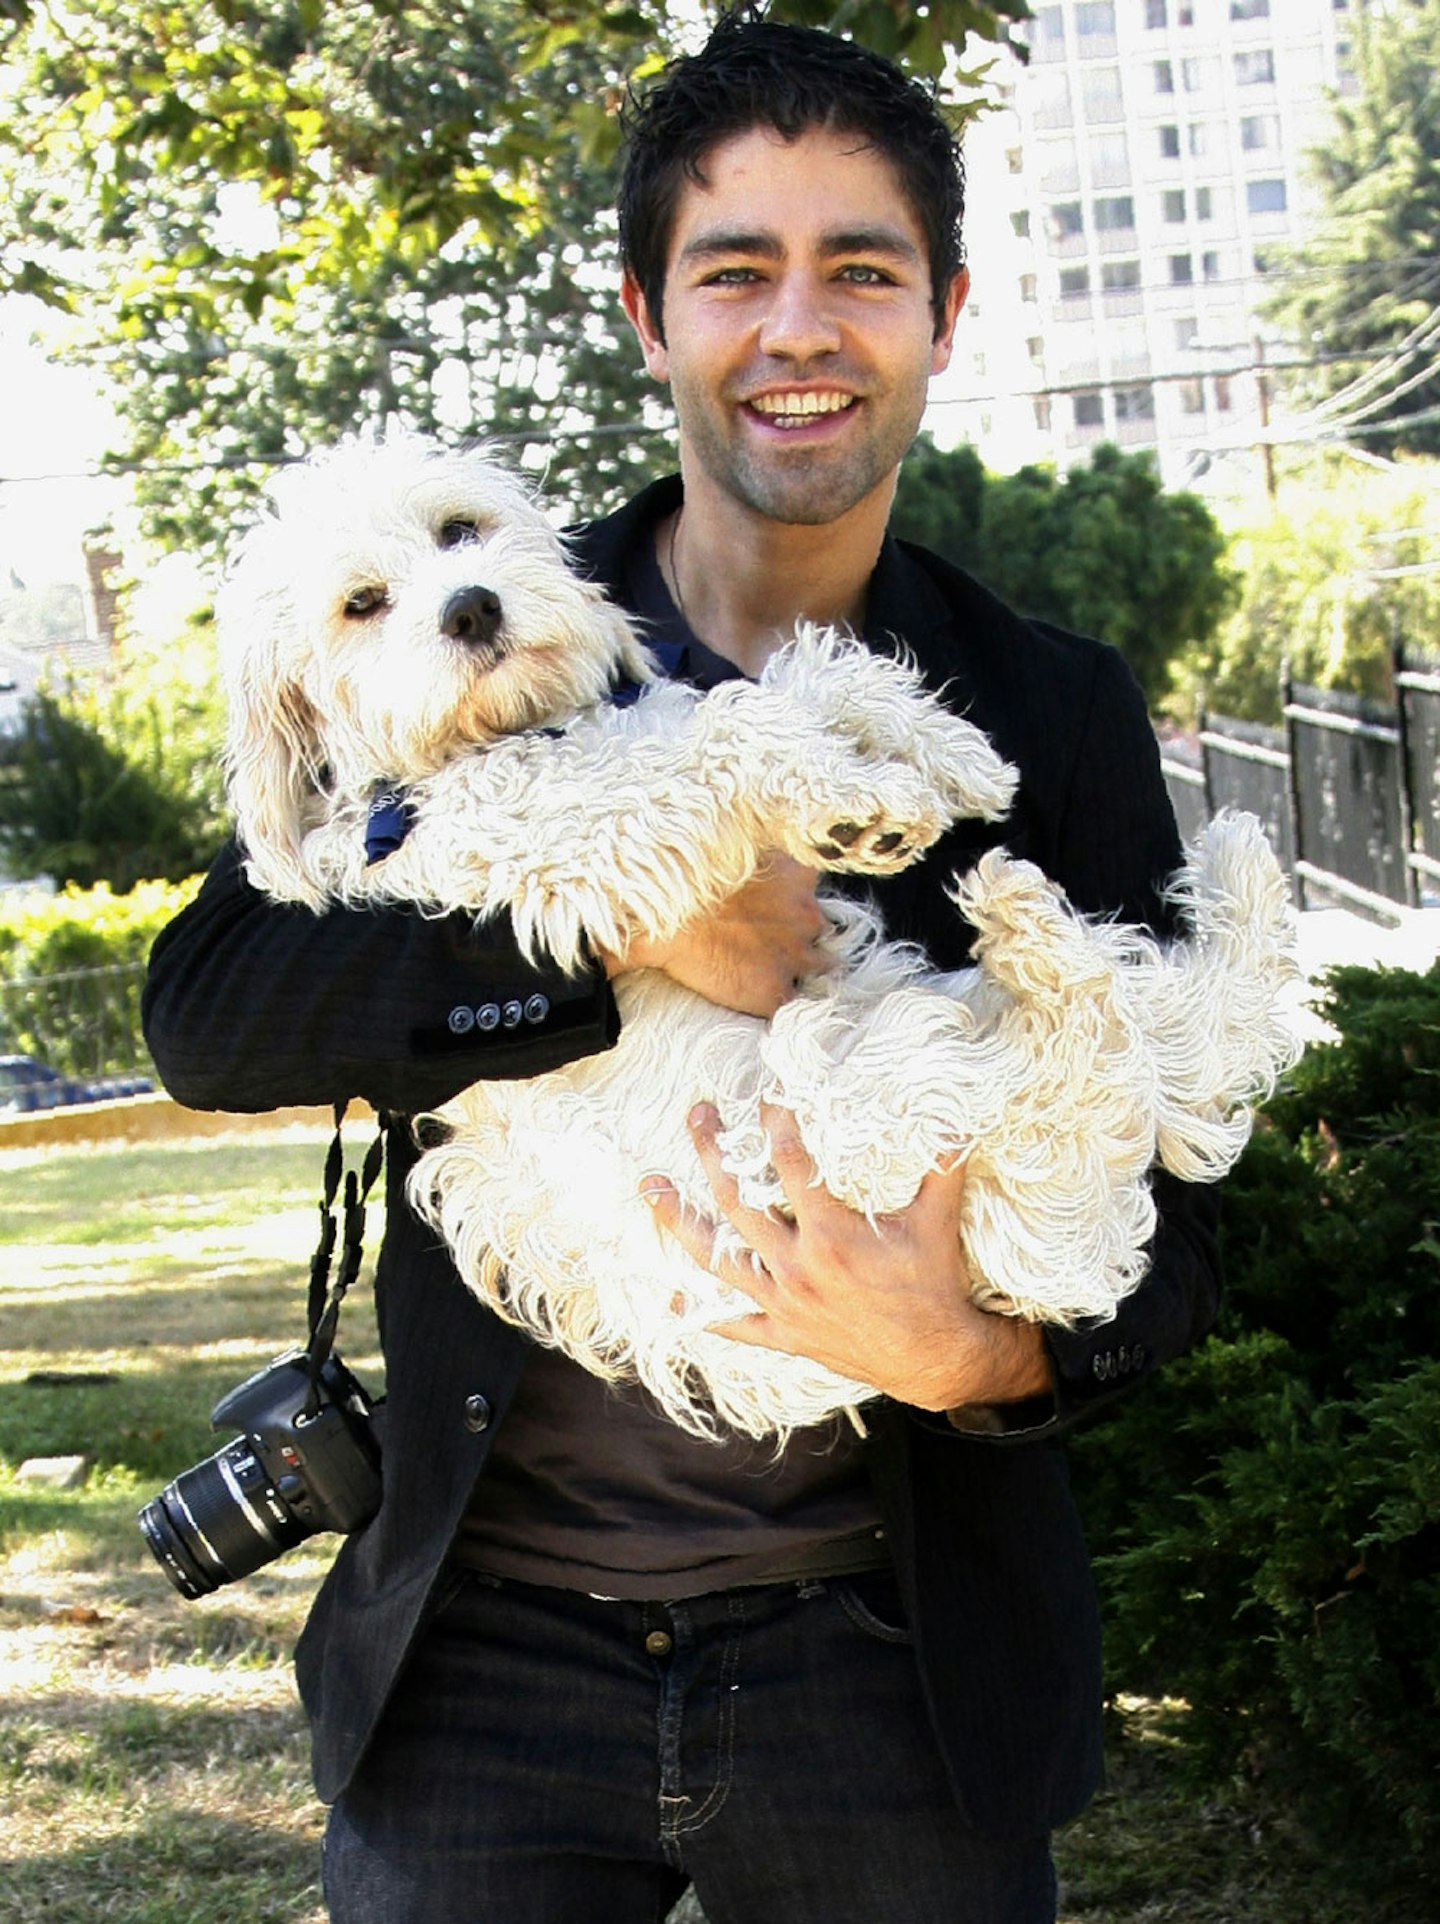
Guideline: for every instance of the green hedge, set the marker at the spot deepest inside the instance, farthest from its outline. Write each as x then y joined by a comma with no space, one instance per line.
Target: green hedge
1267,1512
71,967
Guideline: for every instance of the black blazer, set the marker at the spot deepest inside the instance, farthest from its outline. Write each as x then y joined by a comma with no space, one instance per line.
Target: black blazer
250,1006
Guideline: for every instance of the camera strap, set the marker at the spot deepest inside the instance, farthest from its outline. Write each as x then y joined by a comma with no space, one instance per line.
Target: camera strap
323,1308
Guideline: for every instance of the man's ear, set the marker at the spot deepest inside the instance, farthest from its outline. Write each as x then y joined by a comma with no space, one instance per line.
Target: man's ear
647,330
949,315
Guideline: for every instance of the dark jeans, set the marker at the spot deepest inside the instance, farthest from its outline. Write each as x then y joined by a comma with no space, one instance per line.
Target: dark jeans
554,1759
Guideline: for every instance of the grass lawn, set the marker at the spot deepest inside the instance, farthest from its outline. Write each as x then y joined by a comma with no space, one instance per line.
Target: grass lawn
152,1753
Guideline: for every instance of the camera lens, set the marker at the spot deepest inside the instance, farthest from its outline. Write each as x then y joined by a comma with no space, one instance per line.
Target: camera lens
219,1521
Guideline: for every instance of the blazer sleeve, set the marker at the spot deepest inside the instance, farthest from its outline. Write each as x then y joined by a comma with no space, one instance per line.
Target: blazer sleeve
251,1005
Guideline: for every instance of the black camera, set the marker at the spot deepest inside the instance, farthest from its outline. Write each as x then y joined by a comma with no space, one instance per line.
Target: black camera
308,1460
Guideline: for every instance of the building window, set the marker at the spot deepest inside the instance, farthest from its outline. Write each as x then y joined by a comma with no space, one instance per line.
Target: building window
1172,204
1135,403
1185,13
1015,160
1042,412
1202,203
977,361
1169,143
1074,281
1255,68
1249,9
1109,160
1064,220
1029,288
1100,93
1265,196
1020,221
1089,410
1095,16
1182,270
1187,332
1192,397
1210,265
1035,348
1196,75
1155,13
1049,28
1197,137
1116,276
1164,77
1114,212
1222,393
1259,133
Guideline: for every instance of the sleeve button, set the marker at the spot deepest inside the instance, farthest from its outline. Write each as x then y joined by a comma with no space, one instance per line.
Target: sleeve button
461,1020
477,1413
510,1015
488,1015
537,1008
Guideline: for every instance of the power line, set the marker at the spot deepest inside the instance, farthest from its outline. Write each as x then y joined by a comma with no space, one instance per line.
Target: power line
560,437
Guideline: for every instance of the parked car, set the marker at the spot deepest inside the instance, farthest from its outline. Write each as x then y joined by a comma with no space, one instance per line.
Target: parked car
26,1083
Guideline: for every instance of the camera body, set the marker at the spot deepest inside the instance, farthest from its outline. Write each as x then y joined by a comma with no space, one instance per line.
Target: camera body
303,1462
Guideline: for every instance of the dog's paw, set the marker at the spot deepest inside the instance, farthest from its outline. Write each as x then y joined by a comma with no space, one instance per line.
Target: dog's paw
871,824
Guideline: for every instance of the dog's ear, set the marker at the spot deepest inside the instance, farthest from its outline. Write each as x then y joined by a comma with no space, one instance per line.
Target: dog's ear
633,658
273,764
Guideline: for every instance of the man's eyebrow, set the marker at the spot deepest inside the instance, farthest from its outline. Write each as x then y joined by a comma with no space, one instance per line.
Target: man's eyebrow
715,241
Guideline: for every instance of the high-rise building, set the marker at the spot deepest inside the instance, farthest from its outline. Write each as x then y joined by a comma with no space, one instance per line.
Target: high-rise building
1125,204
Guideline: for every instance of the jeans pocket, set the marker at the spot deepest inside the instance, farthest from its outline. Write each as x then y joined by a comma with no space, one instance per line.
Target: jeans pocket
872,1603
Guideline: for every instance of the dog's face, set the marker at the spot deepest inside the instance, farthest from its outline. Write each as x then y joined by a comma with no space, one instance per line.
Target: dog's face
401,602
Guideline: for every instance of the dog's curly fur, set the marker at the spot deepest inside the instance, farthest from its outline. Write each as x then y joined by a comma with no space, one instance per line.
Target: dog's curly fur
405,615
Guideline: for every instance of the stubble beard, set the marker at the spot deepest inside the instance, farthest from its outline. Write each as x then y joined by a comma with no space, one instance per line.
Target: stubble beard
799,487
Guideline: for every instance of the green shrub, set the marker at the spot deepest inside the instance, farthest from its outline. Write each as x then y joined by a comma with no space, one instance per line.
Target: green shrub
1267,1513
71,967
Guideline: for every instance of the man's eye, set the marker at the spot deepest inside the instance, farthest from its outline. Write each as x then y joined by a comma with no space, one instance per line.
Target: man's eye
365,602
454,533
866,276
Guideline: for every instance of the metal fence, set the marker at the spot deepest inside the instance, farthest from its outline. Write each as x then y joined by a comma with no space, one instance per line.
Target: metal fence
1348,790
84,1022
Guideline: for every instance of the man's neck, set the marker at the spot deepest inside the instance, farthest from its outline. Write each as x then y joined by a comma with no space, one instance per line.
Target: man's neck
742,581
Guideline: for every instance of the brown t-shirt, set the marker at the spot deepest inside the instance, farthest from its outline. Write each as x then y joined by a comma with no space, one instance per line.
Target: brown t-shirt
589,1487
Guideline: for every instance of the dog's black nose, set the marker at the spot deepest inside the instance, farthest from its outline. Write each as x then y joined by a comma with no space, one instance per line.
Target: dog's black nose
472,615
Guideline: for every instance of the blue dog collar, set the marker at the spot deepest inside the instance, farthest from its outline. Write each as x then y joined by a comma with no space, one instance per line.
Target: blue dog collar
391,818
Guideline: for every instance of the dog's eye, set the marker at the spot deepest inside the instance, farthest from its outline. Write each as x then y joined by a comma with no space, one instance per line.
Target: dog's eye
365,602
454,533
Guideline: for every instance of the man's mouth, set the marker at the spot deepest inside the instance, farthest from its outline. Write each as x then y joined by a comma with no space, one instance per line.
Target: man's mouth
801,408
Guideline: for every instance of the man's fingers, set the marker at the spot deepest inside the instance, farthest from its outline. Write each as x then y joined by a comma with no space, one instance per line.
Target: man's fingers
694,1233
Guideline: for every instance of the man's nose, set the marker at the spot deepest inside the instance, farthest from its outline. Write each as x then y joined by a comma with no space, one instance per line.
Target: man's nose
800,322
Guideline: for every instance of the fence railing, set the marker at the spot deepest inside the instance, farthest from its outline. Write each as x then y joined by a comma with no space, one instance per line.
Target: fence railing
84,1022
1348,790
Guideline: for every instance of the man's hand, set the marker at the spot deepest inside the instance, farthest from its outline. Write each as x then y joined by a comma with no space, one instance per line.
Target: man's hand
887,1305
752,952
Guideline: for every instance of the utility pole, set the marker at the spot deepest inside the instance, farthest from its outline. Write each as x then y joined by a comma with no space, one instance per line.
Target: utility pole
1262,386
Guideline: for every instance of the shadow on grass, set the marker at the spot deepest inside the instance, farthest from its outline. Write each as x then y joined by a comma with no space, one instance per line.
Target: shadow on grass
121,1740
184,1867
150,1417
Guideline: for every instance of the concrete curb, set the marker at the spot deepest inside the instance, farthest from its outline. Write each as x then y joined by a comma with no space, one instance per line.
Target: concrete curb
153,1118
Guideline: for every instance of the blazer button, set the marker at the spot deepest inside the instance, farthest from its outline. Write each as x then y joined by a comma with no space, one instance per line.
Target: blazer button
477,1413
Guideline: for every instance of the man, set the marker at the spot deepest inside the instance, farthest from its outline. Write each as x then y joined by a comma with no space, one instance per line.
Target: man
579,1659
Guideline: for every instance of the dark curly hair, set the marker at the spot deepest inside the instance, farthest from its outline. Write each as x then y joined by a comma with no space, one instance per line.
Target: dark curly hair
753,72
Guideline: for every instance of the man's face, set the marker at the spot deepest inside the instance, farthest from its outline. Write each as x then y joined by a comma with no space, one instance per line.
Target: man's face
799,328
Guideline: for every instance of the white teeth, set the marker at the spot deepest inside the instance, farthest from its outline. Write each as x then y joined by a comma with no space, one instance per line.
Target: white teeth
786,408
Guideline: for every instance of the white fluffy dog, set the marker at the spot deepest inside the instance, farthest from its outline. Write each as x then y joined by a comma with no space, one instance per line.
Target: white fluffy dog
404,625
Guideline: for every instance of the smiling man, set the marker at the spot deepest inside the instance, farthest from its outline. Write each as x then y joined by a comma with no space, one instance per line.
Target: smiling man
580,1660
